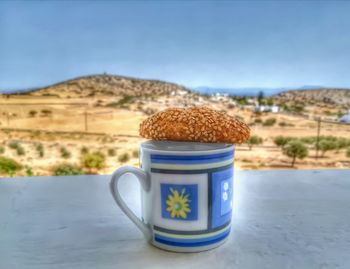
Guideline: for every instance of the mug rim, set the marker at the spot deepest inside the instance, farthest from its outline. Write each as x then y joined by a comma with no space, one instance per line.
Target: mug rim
150,146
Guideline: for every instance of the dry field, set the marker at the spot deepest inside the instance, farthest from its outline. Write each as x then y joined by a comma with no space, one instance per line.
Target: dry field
93,123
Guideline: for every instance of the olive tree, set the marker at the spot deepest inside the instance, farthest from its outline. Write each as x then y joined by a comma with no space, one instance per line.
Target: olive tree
327,145
295,149
254,140
341,143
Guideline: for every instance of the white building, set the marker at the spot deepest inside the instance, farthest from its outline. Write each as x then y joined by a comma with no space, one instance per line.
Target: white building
218,97
273,109
251,101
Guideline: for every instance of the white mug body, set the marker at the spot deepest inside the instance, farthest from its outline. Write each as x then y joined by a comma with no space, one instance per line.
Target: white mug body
188,205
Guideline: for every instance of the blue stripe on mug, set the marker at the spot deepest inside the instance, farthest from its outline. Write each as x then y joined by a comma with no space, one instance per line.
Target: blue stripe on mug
191,242
197,240
193,171
156,158
194,161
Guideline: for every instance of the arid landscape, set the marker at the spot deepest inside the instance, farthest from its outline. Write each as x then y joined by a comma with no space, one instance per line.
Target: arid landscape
90,125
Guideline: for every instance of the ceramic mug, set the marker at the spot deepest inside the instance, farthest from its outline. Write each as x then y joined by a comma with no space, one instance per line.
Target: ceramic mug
186,194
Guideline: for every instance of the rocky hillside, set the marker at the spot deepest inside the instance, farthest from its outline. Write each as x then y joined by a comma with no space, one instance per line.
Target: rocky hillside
326,95
109,85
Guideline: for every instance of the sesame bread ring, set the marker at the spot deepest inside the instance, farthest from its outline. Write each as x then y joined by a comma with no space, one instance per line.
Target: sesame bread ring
196,124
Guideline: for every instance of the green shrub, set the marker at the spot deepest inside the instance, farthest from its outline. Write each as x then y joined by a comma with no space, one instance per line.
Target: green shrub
29,171
111,152
281,141
40,149
51,94
65,153
297,108
20,151
254,140
269,122
285,124
282,124
95,160
84,150
125,106
17,146
13,144
257,120
126,99
36,133
2,149
270,101
124,158
9,166
295,149
241,100
32,113
46,112
67,170
135,153
104,139
340,114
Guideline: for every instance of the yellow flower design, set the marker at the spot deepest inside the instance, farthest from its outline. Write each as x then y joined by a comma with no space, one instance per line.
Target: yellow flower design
178,203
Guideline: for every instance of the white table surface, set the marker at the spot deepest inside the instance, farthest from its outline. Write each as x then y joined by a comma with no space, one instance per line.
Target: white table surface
282,219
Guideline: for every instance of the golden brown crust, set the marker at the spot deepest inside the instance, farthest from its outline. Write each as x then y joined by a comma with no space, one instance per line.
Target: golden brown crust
197,124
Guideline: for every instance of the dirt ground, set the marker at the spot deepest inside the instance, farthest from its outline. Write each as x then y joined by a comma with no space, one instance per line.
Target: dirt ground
74,123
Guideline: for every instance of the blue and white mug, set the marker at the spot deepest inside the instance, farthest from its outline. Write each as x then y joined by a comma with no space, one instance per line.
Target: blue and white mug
187,193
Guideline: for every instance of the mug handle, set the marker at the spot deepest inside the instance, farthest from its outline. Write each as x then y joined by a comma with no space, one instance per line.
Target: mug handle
144,180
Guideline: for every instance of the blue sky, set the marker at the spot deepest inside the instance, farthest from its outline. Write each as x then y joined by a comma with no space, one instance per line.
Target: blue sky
219,44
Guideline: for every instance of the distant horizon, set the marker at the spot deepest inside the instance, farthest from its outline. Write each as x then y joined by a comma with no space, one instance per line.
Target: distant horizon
269,90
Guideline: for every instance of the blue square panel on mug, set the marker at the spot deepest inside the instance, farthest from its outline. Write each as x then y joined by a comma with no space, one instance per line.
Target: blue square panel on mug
179,201
221,197
226,196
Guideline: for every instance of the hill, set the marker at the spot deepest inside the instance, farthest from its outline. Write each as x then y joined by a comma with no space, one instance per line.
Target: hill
323,95
107,85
